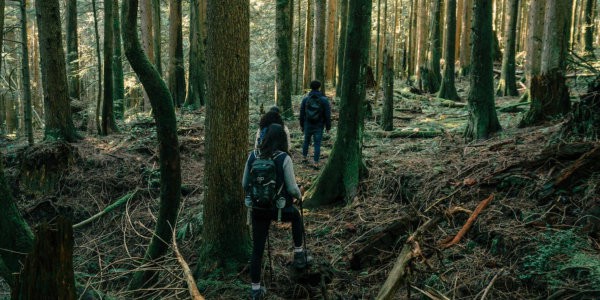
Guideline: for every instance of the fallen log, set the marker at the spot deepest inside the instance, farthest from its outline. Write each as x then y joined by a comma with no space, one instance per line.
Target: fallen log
108,209
398,133
483,204
398,273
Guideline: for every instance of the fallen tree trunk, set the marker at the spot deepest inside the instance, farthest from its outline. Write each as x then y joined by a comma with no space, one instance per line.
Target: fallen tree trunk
407,134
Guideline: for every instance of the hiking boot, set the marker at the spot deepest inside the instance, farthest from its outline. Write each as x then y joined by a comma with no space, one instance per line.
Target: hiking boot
258,294
301,260
315,165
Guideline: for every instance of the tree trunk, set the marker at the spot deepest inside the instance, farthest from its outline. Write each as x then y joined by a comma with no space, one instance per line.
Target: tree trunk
226,243
166,129
16,237
48,270
340,177
72,51
507,86
377,47
284,17
459,21
574,21
146,15
109,125
318,51
548,92
535,34
156,35
331,32
482,120
197,75
99,60
387,116
118,80
465,37
412,43
176,73
297,84
432,81
341,45
59,124
25,81
308,37
422,33
589,29
448,88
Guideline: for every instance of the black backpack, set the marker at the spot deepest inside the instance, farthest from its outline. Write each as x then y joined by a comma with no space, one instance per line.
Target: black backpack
263,175
314,109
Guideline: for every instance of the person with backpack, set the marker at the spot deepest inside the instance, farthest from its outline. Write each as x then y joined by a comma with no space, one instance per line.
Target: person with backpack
271,117
315,115
271,188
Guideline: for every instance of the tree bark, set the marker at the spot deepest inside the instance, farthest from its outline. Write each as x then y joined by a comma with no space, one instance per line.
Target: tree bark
99,69
341,45
166,128
465,37
339,179
588,42
109,125
59,124
72,51
432,81
284,17
318,49
118,77
507,86
226,243
330,47
197,74
535,32
387,116
448,88
176,72
156,35
25,81
308,37
482,119
422,43
146,10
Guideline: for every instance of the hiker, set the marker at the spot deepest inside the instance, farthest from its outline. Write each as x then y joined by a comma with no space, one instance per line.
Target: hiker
271,117
272,152
315,115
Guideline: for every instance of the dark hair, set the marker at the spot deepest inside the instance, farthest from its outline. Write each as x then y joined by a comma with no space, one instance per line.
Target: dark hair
274,108
274,140
271,117
315,85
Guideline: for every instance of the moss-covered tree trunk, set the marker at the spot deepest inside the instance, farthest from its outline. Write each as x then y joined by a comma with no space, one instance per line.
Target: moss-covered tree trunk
283,37
548,92
341,45
588,33
226,243
534,45
197,74
156,35
16,238
308,37
448,88
176,71
168,144
507,86
340,177
98,69
482,120
146,26
25,81
318,47
58,120
466,37
48,270
387,116
118,78
109,125
72,51
433,77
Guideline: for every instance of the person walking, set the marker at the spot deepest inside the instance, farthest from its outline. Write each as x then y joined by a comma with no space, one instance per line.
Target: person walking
271,117
315,116
272,156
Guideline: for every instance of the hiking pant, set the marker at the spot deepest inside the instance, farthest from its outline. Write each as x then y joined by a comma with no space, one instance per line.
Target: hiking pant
317,132
261,221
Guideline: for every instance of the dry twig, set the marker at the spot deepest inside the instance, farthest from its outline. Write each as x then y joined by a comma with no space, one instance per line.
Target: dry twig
469,222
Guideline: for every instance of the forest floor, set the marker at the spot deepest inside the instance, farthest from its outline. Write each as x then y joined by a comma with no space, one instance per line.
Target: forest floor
534,240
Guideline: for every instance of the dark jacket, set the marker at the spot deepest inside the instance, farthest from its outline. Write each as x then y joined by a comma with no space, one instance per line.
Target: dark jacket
326,116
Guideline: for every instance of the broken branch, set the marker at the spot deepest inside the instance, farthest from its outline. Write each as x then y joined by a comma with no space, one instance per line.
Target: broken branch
189,278
483,204
108,209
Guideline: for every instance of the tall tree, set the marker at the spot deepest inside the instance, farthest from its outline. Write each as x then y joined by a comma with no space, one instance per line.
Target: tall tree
156,35
25,74
339,179
387,115
58,121
308,38
422,39
482,120
318,47
176,71
109,124
341,45
507,86
146,14
168,144
284,21
432,78
331,46
118,78
226,241
588,40
197,74
548,92
535,32
466,37
72,51
448,88
99,69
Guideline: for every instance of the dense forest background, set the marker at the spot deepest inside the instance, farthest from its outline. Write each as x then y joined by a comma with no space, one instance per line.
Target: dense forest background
463,162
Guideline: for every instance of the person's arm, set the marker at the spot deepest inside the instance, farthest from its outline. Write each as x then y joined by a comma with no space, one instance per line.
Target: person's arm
290,179
302,114
327,114
287,135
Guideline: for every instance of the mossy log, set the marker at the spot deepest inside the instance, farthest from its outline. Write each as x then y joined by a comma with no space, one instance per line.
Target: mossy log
407,134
